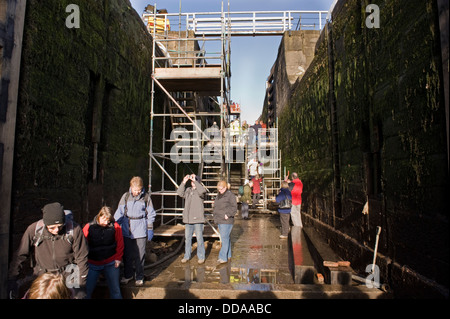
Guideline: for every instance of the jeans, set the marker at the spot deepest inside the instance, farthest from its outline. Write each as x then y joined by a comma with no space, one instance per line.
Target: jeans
112,275
188,232
225,250
284,219
134,257
256,199
296,216
244,210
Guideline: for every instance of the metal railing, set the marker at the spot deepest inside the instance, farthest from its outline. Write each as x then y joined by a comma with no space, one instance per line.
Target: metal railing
242,22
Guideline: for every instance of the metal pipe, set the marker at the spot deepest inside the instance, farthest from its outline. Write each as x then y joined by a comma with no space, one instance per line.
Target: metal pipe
165,172
178,105
376,248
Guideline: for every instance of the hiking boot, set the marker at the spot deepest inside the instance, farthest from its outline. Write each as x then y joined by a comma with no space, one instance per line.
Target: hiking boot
139,283
184,260
220,261
283,236
201,261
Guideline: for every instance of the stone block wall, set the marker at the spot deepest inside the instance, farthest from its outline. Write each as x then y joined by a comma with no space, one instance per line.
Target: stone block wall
83,120
376,134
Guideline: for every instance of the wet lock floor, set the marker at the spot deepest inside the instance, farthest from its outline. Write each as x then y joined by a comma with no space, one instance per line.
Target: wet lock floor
259,258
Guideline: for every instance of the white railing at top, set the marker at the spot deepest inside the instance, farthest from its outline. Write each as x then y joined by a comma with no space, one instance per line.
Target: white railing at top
245,22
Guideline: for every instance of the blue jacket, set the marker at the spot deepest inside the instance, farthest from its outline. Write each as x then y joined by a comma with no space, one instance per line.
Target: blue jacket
284,192
137,224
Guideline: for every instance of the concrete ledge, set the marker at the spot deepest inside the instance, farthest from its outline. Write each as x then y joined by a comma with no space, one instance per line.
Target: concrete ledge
304,269
321,252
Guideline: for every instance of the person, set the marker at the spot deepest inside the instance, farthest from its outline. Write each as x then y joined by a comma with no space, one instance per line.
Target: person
244,126
135,214
49,286
263,131
56,244
256,128
246,198
235,130
296,200
225,207
291,185
244,132
105,242
193,215
252,168
285,212
256,189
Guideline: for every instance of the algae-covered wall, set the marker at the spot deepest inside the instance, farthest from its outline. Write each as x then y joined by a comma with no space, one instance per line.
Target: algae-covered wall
376,134
83,120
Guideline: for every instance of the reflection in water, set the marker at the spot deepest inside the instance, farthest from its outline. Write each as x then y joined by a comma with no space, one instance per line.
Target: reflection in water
225,273
259,260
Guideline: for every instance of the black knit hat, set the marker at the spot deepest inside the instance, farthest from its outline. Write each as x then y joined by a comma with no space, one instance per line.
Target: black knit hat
53,214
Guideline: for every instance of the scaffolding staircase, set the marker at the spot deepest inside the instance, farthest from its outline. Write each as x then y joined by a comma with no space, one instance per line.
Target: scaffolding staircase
191,66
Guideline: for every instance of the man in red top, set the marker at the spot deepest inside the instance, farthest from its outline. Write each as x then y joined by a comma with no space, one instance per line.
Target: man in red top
296,200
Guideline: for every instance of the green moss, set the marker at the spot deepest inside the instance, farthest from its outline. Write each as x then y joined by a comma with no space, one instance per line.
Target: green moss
59,66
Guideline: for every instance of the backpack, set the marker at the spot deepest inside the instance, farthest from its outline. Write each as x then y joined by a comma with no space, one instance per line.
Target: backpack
241,190
285,203
125,209
38,233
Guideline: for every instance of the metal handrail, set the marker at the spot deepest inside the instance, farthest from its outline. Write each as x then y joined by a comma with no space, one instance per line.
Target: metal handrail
244,22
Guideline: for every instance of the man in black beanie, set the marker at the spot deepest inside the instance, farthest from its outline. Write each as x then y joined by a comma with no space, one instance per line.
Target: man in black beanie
59,246
53,217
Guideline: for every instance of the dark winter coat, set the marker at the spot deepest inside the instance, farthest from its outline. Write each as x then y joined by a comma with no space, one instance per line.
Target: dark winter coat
225,204
105,243
193,212
54,253
282,195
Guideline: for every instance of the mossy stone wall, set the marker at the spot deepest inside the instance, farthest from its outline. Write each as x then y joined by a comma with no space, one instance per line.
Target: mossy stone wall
82,89
390,129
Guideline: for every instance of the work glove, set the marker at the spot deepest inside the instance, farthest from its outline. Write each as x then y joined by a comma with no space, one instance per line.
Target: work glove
149,234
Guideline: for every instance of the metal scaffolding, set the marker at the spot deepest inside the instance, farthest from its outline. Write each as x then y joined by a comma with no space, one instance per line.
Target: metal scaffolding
191,66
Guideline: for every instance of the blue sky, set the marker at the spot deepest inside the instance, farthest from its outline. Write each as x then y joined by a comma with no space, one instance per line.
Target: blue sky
251,57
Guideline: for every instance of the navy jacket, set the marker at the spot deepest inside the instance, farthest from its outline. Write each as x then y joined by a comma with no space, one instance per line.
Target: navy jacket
284,192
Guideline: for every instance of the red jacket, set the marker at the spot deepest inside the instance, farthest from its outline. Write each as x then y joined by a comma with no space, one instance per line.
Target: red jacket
256,185
119,248
297,192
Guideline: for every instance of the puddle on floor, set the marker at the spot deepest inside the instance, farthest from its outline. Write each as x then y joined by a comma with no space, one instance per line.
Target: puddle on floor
227,273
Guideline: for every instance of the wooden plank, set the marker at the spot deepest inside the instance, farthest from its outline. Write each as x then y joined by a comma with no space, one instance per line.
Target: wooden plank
187,73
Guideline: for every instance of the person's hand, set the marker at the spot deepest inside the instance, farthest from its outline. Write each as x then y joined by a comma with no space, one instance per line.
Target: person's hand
117,263
192,177
185,179
226,216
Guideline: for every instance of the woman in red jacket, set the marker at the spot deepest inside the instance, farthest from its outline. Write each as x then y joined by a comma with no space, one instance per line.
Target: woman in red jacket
105,241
